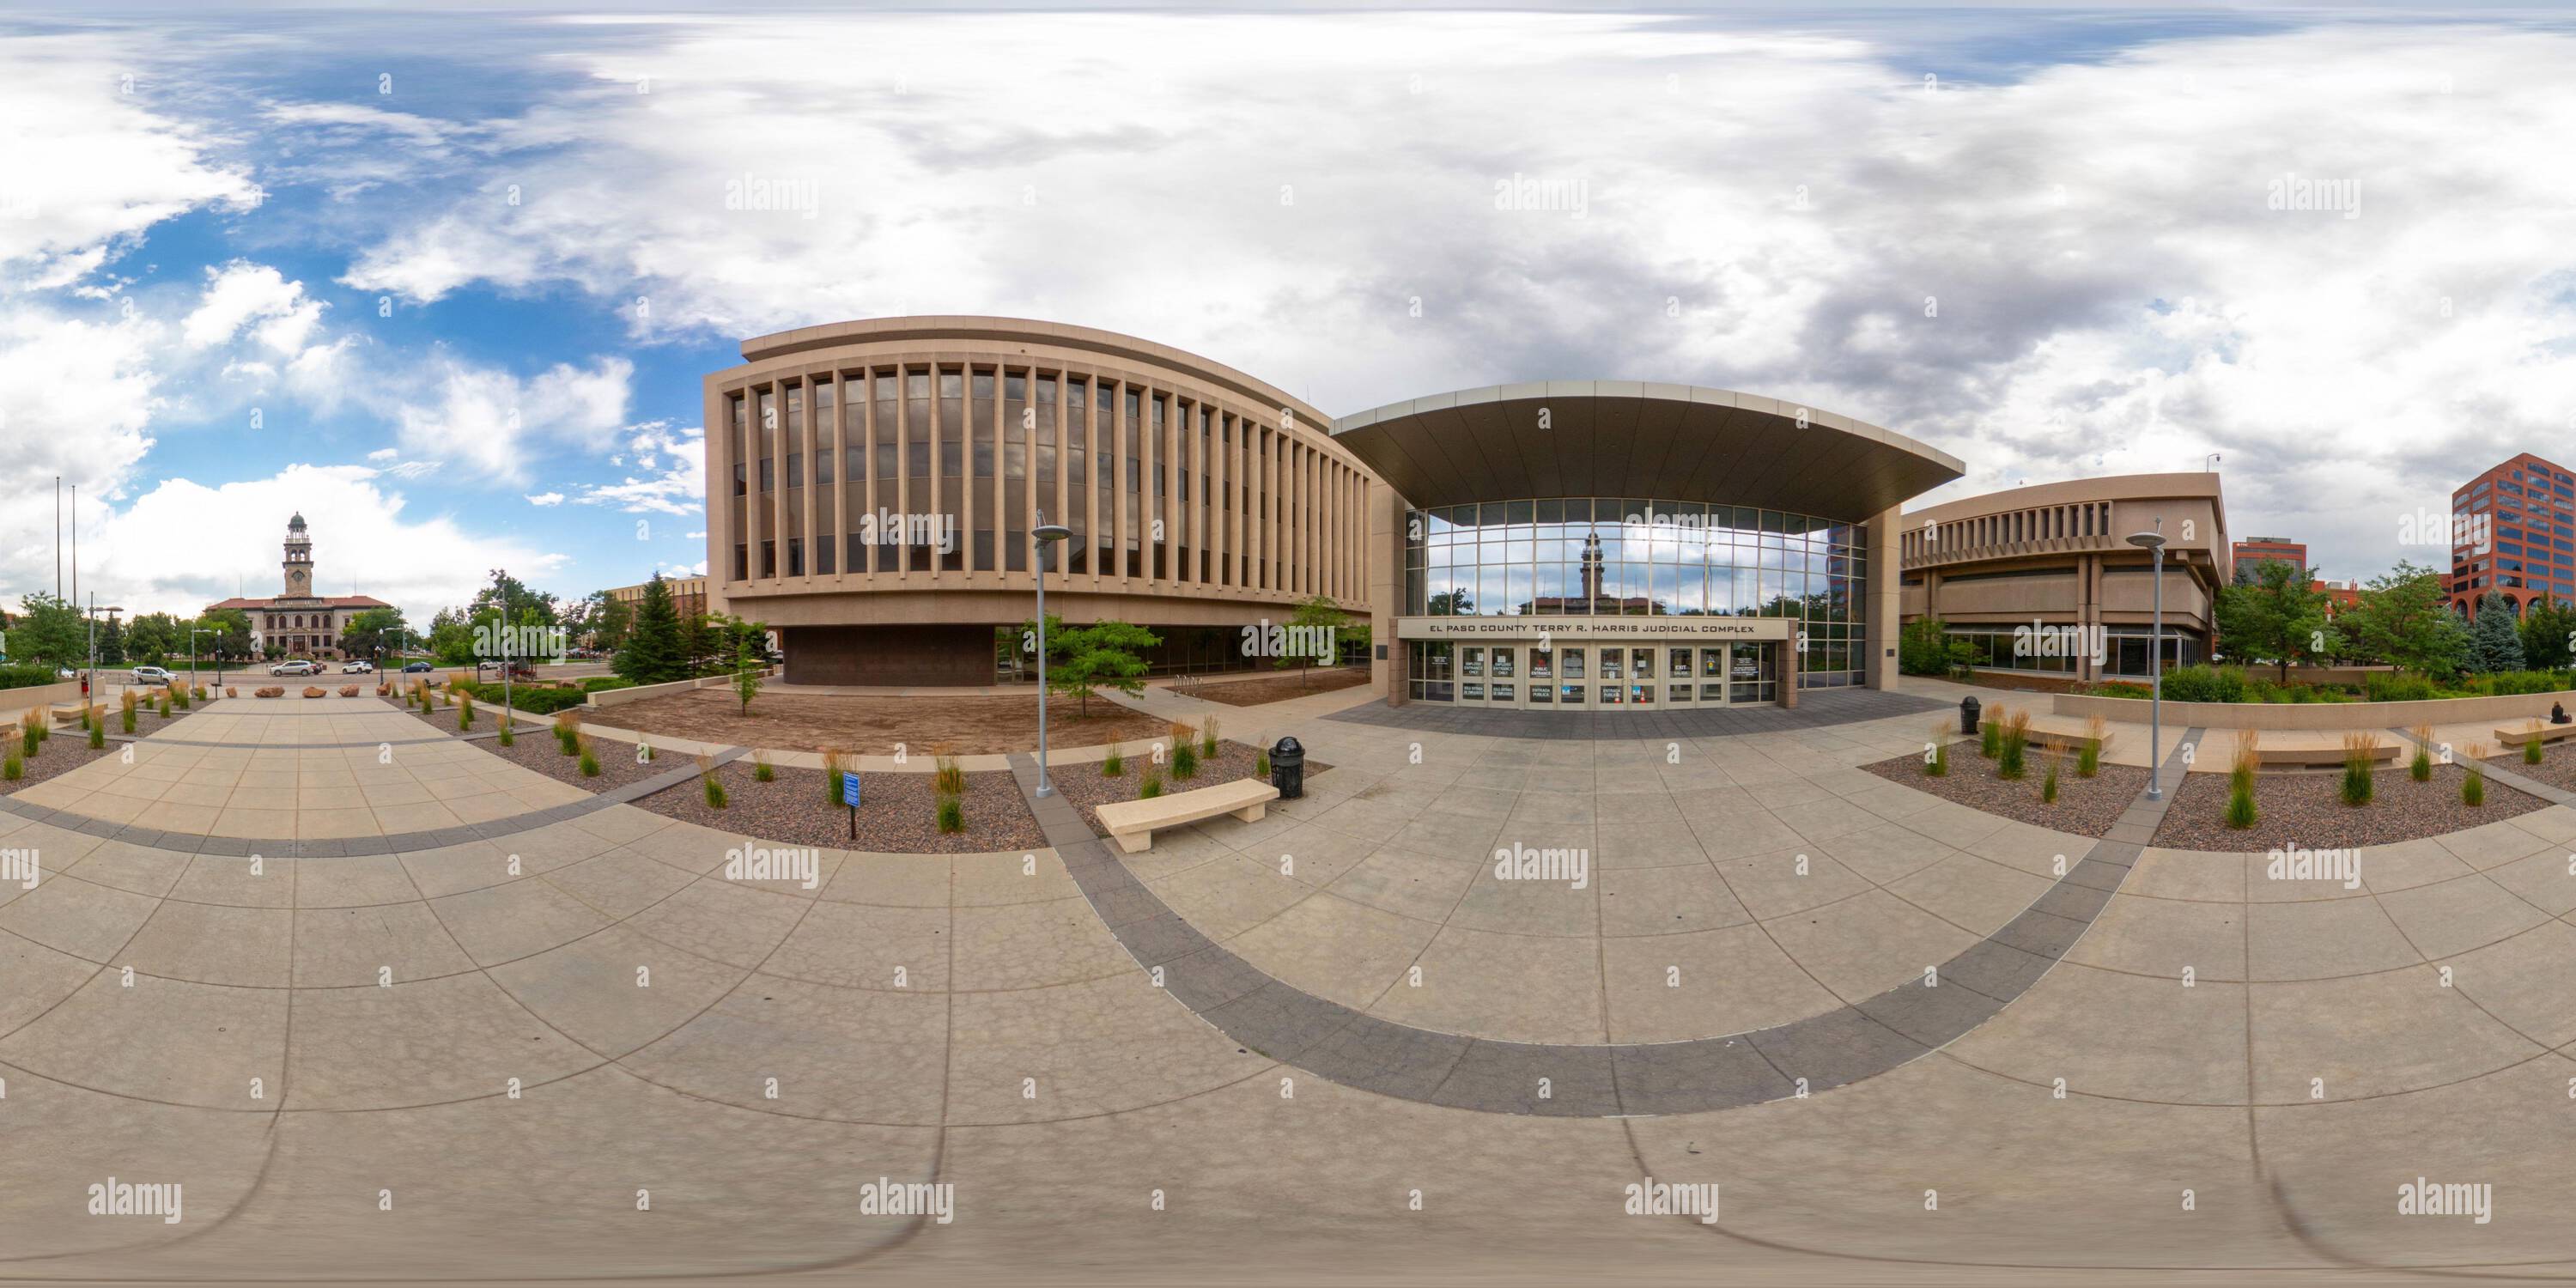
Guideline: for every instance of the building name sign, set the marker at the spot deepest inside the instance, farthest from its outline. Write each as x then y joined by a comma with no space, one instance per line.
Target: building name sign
1713,629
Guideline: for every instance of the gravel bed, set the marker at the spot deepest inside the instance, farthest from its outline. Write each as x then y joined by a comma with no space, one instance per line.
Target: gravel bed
2085,806
536,750
2557,765
898,814
2307,809
66,751
1087,789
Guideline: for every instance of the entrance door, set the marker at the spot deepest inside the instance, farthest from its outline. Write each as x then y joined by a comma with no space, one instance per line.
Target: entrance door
1712,676
1471,674
1573,677
1503,687
1679,688
1754,676
1610,688
1541,665
1645,677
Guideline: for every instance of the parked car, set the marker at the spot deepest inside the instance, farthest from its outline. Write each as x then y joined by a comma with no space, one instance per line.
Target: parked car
518,670
359,667
295,666
152,675
65,673
412,668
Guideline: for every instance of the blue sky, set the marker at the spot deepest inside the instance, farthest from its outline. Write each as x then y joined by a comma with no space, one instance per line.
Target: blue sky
447,282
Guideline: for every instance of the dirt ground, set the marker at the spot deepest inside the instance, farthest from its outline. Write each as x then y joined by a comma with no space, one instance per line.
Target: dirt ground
972,725
1278,688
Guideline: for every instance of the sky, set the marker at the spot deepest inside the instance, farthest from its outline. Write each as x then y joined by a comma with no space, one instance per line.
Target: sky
447,281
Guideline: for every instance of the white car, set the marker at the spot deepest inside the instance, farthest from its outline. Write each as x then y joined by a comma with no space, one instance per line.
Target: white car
357,668
297,666
152,675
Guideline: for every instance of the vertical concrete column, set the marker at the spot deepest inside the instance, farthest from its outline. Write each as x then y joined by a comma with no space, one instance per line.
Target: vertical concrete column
868,444
719,487
840,476
810,433
904,429
1385,553
1886,597
1218,511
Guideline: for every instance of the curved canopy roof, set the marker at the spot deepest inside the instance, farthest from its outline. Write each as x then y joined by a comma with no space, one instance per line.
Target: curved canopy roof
1633,439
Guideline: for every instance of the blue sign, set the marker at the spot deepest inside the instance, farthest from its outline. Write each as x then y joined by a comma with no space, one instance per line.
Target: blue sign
850,789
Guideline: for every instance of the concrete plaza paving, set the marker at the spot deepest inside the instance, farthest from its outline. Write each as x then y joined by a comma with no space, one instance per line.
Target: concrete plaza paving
562,1043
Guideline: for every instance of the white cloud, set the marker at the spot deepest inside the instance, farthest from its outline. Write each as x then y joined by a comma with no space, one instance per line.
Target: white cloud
547,498
1771,211
384,454
241,294
184,545
678,488
495,423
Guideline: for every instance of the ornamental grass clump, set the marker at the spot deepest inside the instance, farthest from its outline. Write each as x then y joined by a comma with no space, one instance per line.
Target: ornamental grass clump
98,733
125,712
2241,813
1936,753
2012,755
1114,765
761,770
1208,738
13,766
28,737
507,737
946,777
465,711
2048,775
38,722
589,762
836,766
1260,761
715,791
2473,789
952,814
1990,735
568,732
2531,743
1152,786
2360,747
2088,757
2420,768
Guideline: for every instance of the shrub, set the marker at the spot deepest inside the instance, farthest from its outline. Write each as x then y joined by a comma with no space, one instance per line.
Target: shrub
945,776
761,770
952,814
2010,760
2358,747
98,733
25,677
508,737
127,716
2473,789
1115,764
1990,735
165,705
589,760
2509,683
39,722
465,712
715,790
1208,738
1936,754
2088,757
2207,684
1185,761
2048,778
14,766
2531,743
2420,768
2241,813
2400,686
28,737
836,765
128,699
2119,689
1152,786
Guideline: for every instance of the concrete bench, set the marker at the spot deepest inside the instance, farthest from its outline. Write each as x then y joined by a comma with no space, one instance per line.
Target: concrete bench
1131,823
2386,751
2512,737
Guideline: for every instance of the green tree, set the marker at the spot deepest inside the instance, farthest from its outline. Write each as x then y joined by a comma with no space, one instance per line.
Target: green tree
1083,658
47,630
1924,647
451,638
2495,636
1452,603
2405,619
508,589
2274,614
747,667
611,622
111,642
653,655
231,638
371,632
1318,616
2547,627
147,639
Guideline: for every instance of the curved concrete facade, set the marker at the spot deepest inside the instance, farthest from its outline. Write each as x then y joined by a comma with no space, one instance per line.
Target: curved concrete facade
873,484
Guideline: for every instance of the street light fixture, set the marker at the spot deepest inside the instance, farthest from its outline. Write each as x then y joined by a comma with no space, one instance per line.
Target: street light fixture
2155,541
1043,537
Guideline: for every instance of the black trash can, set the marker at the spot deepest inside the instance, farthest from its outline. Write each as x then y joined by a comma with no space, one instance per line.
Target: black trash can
1288,768
1968,710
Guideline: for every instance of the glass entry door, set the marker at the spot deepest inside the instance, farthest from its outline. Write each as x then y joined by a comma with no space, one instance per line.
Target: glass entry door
1645,677
1503,686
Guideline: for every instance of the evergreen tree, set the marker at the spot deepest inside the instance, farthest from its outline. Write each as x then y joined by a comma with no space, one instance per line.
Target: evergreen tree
2546,628
653,653
2495,636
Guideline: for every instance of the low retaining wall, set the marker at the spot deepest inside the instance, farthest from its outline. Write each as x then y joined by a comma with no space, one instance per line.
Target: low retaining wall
2318,715
14,701
613,697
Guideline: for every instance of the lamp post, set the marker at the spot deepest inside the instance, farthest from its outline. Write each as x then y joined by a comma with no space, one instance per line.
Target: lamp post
2155,541
193,633
1043,537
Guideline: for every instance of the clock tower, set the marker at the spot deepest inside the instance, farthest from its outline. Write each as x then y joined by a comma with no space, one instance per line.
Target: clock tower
299,560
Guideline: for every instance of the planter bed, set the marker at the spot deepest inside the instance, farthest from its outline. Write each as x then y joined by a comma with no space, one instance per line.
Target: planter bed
2557,765
2307,809
1274,688
2085,806
536,750
898,815
1086,789
976,724
63,753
